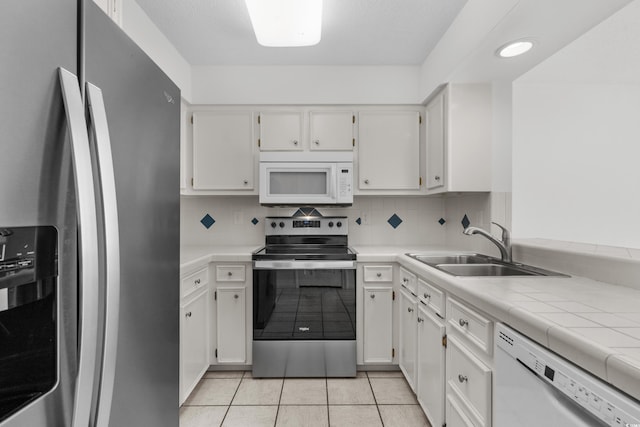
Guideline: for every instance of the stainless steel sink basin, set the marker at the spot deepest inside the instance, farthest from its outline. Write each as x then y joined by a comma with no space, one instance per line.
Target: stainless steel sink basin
485,270
478,265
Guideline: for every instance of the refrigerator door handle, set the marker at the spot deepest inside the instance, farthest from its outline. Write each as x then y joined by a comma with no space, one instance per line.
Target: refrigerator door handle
101,143
88,267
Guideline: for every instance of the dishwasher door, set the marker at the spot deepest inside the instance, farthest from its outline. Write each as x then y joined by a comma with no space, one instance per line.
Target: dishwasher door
535,387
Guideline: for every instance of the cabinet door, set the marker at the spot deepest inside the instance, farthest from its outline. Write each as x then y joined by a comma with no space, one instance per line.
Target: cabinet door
378,319
193,344
331,130
408,330
389,150
431,367
223,151
436,134
231,325
281,131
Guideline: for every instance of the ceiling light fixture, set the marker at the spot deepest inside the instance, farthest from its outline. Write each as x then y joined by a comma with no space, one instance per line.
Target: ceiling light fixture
286,23
514,48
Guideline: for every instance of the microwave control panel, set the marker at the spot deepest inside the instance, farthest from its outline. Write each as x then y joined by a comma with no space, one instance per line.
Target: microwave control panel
345,182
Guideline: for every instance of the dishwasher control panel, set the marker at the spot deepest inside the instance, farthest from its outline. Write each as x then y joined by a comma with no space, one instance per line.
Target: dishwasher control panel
601,400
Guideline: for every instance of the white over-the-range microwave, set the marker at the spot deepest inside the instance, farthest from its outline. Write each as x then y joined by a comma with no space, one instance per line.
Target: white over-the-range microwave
306,178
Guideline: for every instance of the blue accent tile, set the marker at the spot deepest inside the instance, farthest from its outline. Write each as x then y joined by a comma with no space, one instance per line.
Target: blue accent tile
254,221
394,221
442,221
465,221
359,221
207,221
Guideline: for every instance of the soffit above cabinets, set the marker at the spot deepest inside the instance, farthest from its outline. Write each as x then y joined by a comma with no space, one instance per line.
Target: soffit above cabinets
354,32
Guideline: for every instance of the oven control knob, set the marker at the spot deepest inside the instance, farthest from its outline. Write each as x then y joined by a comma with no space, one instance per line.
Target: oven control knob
339,224
330,224
282,225
273,225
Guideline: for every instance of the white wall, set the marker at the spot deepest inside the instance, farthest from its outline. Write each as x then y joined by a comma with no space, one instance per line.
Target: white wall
233,217
144,32
306,85
576,146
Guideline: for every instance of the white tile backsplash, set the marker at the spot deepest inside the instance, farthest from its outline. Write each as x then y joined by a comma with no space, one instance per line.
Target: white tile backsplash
233,217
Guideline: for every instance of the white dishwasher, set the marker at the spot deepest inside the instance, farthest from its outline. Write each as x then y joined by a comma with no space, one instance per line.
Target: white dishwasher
535,387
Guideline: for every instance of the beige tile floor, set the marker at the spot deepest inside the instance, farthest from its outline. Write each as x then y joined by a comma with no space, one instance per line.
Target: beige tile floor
232,399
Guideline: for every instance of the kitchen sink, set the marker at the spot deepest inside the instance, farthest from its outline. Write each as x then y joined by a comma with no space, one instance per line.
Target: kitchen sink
478,265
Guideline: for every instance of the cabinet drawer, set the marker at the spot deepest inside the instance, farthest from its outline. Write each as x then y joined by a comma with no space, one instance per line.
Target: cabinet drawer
409,281
378,273
432,297
471,325
470,380
456,417
230,273
194,281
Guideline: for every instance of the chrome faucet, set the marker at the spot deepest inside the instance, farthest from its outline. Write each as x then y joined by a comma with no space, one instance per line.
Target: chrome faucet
504,245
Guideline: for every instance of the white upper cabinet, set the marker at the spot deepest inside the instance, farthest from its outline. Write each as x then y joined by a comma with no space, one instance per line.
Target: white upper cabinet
281,131
389,150
332,131
223,150
458,138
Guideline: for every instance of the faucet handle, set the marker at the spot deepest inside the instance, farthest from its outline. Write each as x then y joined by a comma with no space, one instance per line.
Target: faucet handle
505,232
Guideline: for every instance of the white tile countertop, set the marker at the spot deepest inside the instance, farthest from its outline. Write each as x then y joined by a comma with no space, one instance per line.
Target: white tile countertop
594,324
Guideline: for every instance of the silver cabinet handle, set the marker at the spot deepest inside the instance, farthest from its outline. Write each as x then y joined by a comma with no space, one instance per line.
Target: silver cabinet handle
197,281
89,273
410,310
187,314
463,322
317,142
372,296
229,274
295,142
366,181
235,296
420,320
462,378
245,182
426,295
437,178
101,142
379,275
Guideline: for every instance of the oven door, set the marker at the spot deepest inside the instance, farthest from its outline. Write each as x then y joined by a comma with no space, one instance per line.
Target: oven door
298,183
304,300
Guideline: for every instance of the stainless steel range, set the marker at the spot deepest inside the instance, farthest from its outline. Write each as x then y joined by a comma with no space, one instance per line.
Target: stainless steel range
304,298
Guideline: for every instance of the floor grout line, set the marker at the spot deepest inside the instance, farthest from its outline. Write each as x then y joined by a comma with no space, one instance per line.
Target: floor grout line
375,399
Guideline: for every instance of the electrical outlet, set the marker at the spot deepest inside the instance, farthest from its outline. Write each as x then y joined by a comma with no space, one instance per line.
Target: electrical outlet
364,217
237,217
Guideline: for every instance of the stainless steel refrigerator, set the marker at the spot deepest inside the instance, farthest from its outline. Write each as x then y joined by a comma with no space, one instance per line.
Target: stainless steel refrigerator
89,222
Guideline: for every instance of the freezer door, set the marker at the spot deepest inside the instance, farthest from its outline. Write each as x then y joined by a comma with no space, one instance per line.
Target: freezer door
36,179
143,111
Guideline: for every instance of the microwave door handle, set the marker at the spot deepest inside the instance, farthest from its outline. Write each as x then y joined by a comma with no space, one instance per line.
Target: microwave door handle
88,267
101,143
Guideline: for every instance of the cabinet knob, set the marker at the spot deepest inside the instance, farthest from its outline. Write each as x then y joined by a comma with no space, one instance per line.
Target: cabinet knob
420,320
245,182
426,295
229,274
379,275
317,142
187,314
295,142
437,178
366,181
372,296
410,310
462,378
463,322
236,296
197,281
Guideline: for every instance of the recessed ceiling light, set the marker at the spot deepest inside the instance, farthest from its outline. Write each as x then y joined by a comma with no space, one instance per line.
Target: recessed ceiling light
514,48
286,23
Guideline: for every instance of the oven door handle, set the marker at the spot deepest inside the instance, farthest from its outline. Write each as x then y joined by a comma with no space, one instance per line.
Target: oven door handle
304,265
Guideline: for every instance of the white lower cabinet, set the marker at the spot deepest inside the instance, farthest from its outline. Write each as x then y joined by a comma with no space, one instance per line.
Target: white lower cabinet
456,416
378,331
431,365
469,379
231,325
194,357
408,336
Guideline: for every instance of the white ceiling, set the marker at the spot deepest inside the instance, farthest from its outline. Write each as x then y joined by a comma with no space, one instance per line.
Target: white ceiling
354,32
